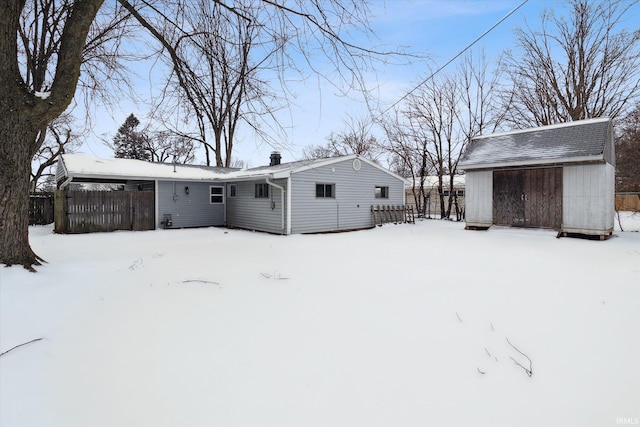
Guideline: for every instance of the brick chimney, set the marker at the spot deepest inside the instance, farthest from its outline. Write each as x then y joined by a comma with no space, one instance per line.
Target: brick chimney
275,158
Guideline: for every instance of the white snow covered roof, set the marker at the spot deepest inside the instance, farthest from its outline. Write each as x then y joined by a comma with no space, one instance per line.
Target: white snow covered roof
432,181
580,141
80,166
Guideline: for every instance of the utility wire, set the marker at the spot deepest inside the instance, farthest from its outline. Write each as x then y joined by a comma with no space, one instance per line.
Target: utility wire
455,57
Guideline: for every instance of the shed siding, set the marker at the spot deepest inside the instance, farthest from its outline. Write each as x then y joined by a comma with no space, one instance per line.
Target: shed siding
479,198
589,199
350,208
248,212
188,210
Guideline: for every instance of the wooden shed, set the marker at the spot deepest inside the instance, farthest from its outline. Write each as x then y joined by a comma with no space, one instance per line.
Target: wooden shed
560,177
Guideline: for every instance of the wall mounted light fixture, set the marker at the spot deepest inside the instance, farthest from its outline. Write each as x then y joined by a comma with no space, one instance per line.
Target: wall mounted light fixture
186,190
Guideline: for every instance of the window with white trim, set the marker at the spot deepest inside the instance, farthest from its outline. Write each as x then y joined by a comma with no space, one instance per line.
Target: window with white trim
216,195
325,191
262,191
381,192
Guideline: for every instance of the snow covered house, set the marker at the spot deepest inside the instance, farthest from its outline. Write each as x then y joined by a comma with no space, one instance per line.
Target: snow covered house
560,177
309,196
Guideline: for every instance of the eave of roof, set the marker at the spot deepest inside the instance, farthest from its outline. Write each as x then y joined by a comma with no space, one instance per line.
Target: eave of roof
86,167
529,162
80,166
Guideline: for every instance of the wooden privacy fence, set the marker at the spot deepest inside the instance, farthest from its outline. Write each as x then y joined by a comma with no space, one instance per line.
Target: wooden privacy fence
628,202
92,211
40,208
392,213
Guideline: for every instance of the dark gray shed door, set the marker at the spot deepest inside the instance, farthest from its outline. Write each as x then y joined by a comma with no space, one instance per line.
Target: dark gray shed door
528,197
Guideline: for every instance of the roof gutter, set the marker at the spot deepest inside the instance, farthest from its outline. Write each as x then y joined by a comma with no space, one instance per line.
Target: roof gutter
531,163
282,192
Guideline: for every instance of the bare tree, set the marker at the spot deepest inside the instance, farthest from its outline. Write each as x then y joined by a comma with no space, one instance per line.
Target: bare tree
228,61
356,138
25,115
628,153
582,67
306,26
479,112
165,146
429,134
408,156
57,140
42,52
318,152
216,80
40,24
431,112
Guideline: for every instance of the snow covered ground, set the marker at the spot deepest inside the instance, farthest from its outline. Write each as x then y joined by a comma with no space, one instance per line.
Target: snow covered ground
404,325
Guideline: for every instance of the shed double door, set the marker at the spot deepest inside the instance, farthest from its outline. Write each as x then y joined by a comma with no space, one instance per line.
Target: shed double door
528,197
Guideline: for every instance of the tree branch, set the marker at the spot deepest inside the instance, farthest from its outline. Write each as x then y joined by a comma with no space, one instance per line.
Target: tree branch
19,345
528,370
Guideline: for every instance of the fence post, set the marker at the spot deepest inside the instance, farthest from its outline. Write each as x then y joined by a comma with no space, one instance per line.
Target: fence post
60,211
131,223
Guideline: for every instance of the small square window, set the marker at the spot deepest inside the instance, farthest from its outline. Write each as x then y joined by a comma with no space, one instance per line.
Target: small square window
324,190
233,188
381,192
262,191
216,195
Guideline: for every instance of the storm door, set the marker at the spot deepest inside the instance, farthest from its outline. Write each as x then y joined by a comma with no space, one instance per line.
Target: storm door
528,197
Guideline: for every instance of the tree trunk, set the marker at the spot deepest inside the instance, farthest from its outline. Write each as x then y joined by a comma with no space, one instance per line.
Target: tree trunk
15,171
22,114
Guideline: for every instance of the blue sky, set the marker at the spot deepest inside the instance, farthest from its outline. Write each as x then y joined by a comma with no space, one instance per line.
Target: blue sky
439,29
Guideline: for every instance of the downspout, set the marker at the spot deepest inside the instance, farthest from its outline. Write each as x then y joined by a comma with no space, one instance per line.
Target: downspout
282,191
156,196
289,207
66,172
226,192
66,182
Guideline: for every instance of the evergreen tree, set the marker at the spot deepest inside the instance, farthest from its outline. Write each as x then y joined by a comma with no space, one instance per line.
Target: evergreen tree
129,143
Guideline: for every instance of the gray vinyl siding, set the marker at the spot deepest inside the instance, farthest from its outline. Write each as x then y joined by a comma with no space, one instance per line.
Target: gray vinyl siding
251,213
479,198
188,210
350,208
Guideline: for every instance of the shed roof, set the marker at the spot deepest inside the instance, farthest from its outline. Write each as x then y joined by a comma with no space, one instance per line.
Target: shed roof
588,140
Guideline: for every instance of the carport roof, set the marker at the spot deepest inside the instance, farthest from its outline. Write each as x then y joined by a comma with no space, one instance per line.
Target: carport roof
579,141
80,166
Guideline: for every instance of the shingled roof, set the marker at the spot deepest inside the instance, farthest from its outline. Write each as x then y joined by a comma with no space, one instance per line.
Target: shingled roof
580,141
